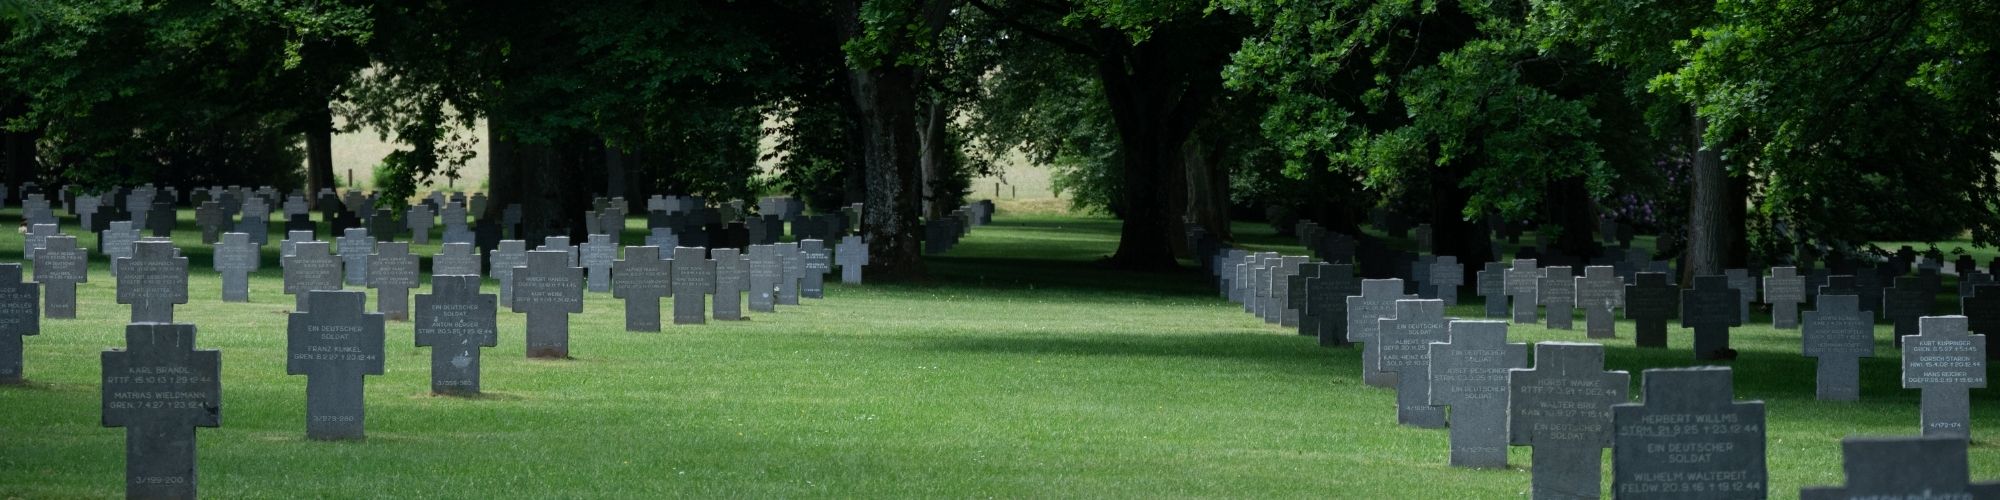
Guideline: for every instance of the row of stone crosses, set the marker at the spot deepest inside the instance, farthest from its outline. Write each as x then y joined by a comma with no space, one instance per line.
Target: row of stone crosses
159,387
1687,437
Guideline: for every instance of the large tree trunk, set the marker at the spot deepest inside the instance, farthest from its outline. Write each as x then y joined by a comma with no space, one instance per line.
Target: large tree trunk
319,155
931,156
1707,209
1207,188
502,184
1451,233
1737,242
1571,208
614,174
885,98
22,164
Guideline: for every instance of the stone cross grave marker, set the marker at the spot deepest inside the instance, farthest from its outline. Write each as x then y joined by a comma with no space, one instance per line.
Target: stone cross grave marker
1284,309
1295,298
1600,292
1688,438
335,345
209,217
1969,282
1557,290
1265,275
562,243
295,205
60,266
1842,284
1365,311
597,255
355,247
1447,275
1945,361
548,289
235,259
663,238
1562,408
641,279
852,255
37,239
732,276
382,226
1649,301
817,260
1868,284
1784,290
455,259
291,238
1838,334
160,218
1981,310
1746,291
1903,303
1523,279
1326,301
393,272
159,388
1469,374
256,221
116,242
793,276
510,256
1492,286
419,219
152,281
1420,274
1403,345
766,269
18,317
1710,309
86,209
1915,467
310,268
693,280
455,321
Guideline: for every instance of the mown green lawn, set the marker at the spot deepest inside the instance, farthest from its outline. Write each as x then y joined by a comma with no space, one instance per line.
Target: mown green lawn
1022,370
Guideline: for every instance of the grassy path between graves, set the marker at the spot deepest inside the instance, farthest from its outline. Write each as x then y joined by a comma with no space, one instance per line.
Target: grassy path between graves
1023,371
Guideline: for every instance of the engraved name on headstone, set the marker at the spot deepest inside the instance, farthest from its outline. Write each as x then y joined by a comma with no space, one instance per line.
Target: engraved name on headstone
59,268
693,280
641,279
1469,374
159,388
1562,408
548,289
1689,438
335,345
455,321
152,281
1945,362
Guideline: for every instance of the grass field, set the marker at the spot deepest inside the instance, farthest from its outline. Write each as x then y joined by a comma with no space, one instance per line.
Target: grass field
1022,370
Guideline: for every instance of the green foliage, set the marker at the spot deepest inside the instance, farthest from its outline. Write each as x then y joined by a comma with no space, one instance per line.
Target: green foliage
1396,93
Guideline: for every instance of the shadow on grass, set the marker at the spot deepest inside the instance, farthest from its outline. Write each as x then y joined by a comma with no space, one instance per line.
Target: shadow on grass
1279,352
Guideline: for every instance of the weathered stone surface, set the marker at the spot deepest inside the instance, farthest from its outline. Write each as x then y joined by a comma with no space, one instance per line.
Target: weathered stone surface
335,345
1838,333
693,280
393,272
235,259
641,279
310,269
455,321
1690,438
1469,374
18,317
1945,362
1926,467
1562,408
152,281
548,289
59,268
1403,346
159,388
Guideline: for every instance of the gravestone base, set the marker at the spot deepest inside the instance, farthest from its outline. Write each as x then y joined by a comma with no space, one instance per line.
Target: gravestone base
334,410
1651,336
1785,316
1839,379
1946,412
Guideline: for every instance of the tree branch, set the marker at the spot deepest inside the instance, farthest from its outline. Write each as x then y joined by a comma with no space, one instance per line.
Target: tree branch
1066,43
